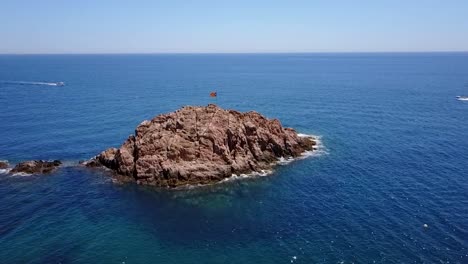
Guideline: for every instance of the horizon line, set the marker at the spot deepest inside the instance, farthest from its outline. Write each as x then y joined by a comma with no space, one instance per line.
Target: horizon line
234,53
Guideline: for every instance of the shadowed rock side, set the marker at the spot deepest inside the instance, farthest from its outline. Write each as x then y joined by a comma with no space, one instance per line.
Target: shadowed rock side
36,167
201,145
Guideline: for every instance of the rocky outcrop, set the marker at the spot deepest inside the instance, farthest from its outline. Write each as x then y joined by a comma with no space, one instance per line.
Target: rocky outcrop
36,167
200,145
3,164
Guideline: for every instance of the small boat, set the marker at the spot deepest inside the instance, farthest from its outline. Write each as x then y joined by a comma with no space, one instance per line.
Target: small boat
59,84
462,98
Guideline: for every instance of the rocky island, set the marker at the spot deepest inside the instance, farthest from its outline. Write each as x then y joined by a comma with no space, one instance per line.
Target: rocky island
36,167
201,145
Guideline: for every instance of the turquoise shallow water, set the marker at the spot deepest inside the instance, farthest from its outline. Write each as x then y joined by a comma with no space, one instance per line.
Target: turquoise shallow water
395,158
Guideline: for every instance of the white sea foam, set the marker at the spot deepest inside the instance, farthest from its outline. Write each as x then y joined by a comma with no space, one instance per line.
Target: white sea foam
5,171
235,177
190,186
284,161
318,150
21,174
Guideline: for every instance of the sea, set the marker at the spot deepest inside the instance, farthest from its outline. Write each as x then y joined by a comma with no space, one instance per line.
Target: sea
388,184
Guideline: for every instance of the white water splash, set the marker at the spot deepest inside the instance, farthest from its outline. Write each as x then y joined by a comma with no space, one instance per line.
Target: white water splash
284,161
21,174
5,171
261,173
318,150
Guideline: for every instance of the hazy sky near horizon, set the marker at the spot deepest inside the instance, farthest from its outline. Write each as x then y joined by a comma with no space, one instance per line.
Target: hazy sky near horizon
145,26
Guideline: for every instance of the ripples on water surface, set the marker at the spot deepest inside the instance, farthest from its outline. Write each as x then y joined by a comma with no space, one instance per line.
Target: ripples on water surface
395,137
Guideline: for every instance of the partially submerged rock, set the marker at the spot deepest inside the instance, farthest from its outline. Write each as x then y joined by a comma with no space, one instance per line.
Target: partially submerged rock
4,164
201,145
36,167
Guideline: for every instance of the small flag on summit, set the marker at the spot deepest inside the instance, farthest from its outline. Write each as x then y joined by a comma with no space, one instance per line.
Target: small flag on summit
213,94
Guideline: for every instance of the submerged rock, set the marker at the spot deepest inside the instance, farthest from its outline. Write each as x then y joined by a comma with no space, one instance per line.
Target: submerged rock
201,145
36,166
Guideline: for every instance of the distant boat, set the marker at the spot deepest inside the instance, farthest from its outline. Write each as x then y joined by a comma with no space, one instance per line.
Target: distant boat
462,98
59,83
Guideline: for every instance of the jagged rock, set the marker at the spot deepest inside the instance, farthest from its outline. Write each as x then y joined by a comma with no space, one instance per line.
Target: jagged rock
3,164
200,145
36,167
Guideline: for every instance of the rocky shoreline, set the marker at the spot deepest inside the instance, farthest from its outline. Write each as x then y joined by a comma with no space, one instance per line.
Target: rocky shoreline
31,167
201,145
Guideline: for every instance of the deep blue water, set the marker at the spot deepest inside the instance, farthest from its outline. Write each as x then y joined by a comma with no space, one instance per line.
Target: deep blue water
396,143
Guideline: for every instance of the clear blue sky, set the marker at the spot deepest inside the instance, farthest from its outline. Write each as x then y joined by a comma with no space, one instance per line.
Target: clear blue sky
105,26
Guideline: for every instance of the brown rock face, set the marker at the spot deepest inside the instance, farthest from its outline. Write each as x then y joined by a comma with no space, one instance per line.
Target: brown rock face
36,166
200,145
3,164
